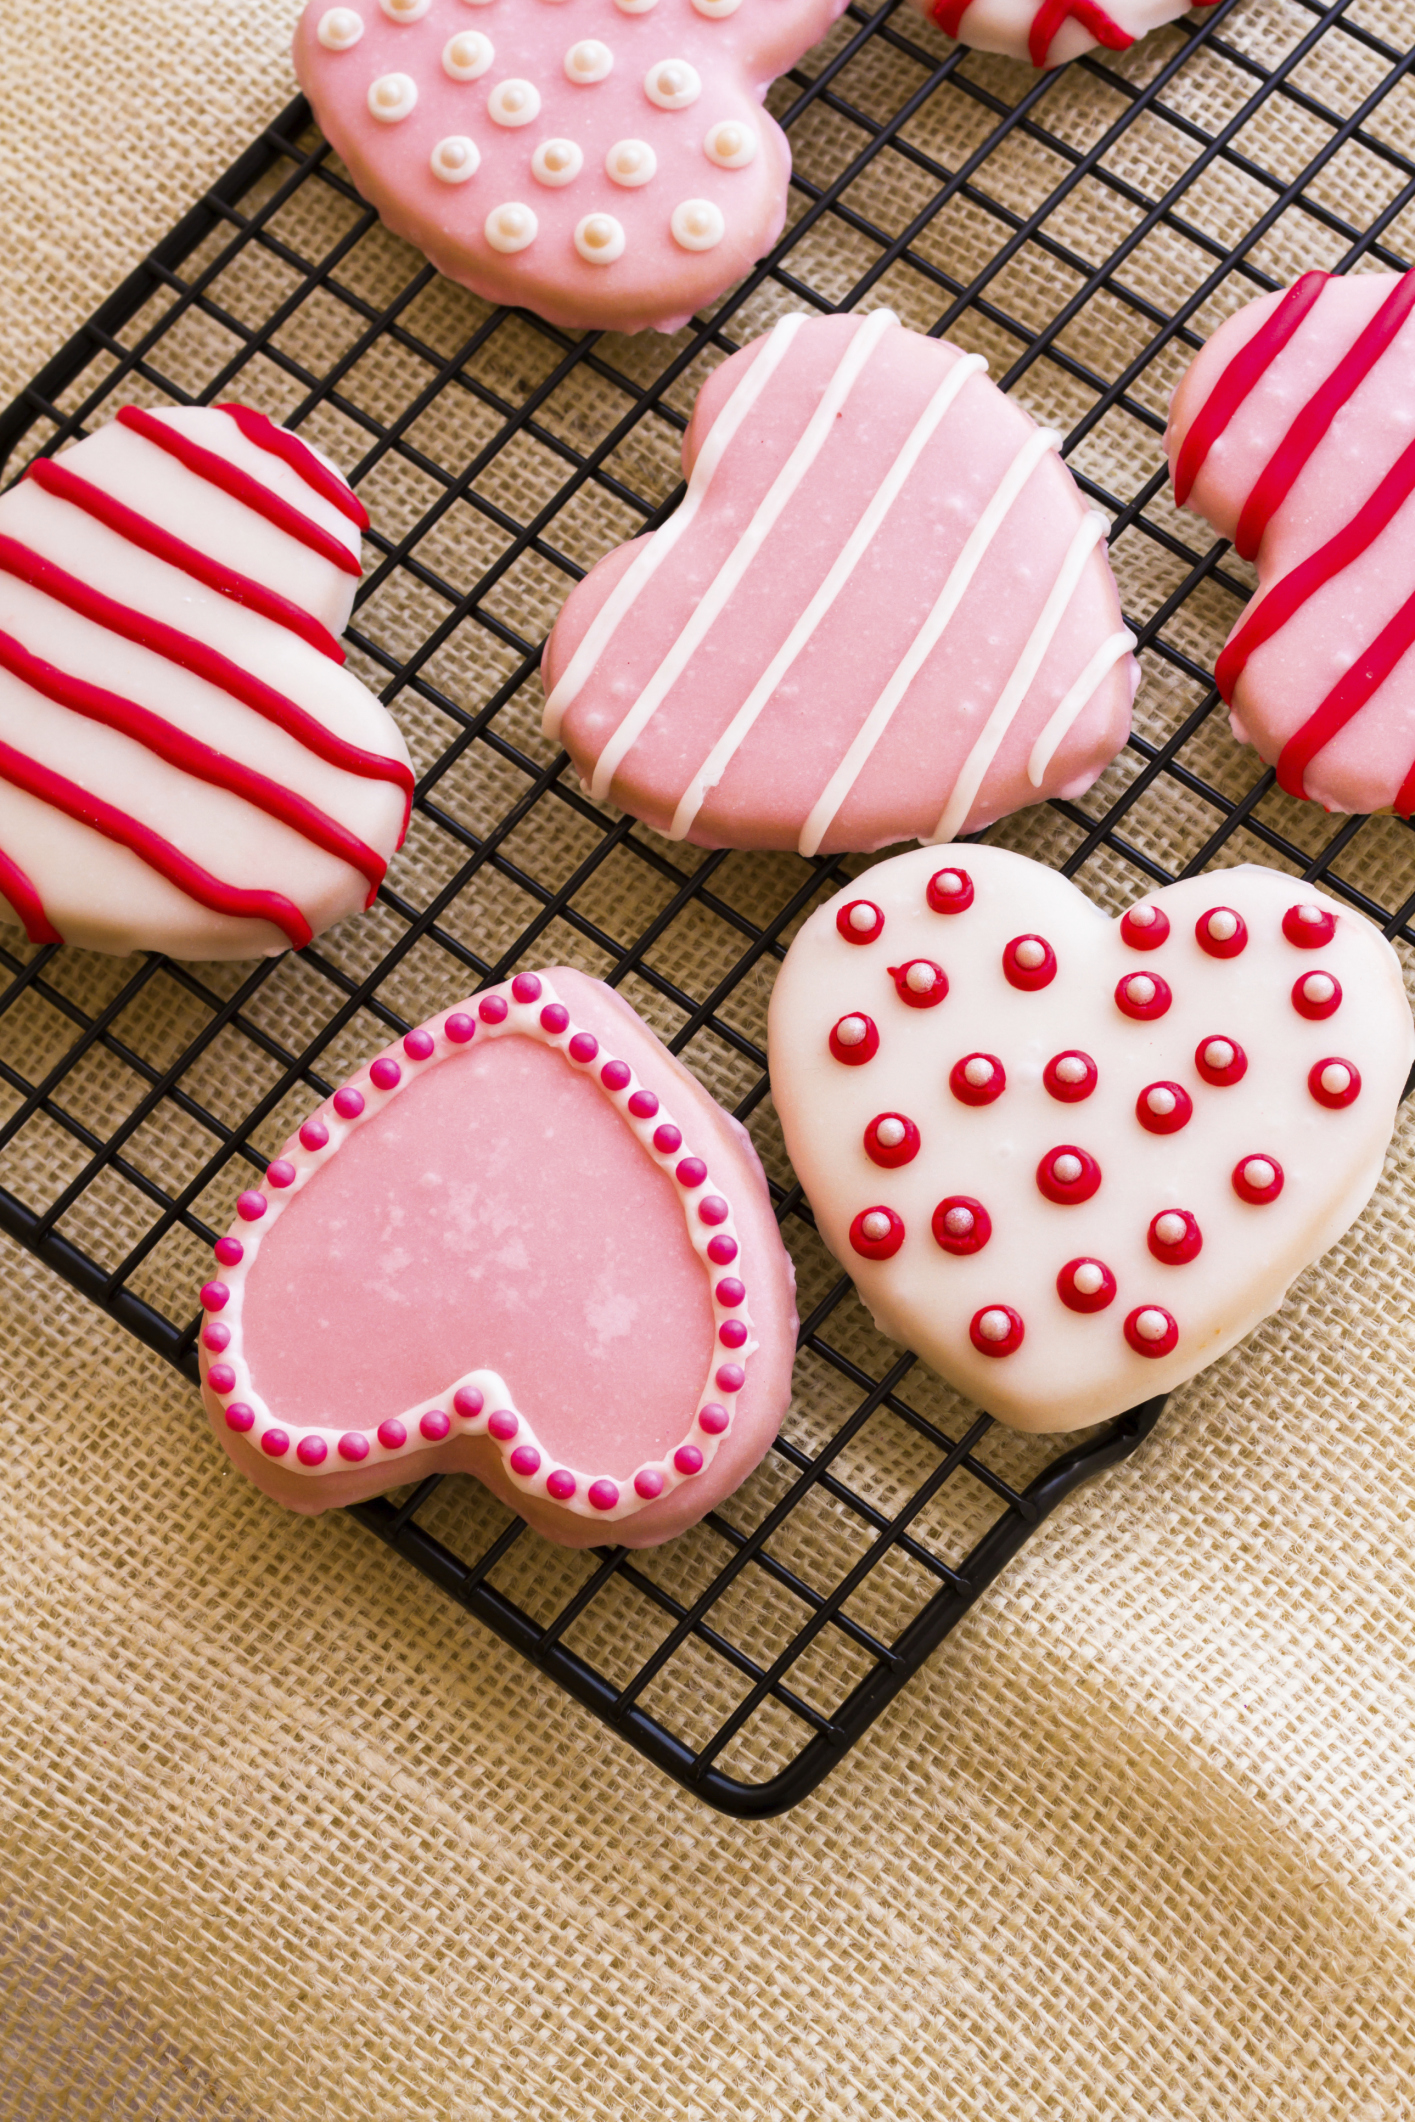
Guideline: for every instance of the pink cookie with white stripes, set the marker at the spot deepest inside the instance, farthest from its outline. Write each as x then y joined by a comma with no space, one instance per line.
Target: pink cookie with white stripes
882,611
1294,434
1049,32
608,166
522,1243
1070,1160
185,765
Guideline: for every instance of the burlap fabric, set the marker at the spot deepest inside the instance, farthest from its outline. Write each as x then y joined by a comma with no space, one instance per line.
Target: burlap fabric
287,1838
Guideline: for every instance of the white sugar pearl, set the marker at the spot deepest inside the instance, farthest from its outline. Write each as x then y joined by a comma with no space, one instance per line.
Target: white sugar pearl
1152,1326
890,1133
1140,989
732,145
557,162
960,1222
920,979
1171,1229
511,227
600,239
1319,987
1071,1069
1066,1170
1088,1278
340,29
978,1071
876,1225
405,10
467,56
1259,1174
716,9
454,160
1336,1080
392,97
631,163
1223,925
1142,916
1310,914
588,61
635,7
851,1031
476,3
863,918
1030,954
672,84
1218,1054
994,1326
513,103
949,883
1161,1101
697,225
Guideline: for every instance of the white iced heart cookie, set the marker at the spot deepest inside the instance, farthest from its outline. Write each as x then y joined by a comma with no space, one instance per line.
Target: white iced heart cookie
1072,1160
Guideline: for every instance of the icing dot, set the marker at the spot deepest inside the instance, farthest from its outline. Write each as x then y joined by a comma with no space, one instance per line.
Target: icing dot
510,228
688,1459
891,1140
216,1337
996,1330
560,1484
385,1074
1067,1175
1309,927
583,1048
1070,1077
348,1102
215,1296
434,1425
588,61
731,145
1143,995
1163,1108
691,1172
877,1233
391,98
1258,1180
526,987
864,918
1316,995
514,103
525,1461
1221,932
615,1075
467,56
730,1378
240,1417
468,1402
648,1483
353,1446
221,1378
854,1040
920,983
340,29
1029,963
961,1225
554,1018
643,1105
697,225
600,239
311,1451
229,1251
492,1009
950,891
1151,1331
722,1250
712,1419
392,1435
1220,1061
418,1045
281,1173
715,10
405,10
667,1139
672,84
459,1028
1086,1286
250,1206
557,162
1174,1237
1334,1082
713,1210
730,1291
630,163
503,1425
275,1443
1145,927
603,1495
978,1079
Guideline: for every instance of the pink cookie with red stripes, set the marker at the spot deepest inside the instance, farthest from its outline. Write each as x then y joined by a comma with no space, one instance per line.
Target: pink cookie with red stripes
185,765
1071,1160
882,611
1049,32
607,165
1294,434
522,1243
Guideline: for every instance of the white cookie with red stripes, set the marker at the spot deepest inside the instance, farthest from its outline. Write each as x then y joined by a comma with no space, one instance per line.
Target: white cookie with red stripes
1049,32
185,765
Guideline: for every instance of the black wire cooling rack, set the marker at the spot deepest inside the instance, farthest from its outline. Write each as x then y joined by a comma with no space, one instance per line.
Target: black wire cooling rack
1085,229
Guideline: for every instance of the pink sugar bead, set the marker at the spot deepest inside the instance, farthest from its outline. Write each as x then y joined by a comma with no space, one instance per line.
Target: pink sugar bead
526,987
216,1337
214,1296
503,1425
275,1444
311,1451
583,1047
603,1495
648,1483
348,1102
713,1210
730,1291
688,1459
492,1010
314,1135
459,1028
392,1435
712,1419
354,1446
643,1105
385,1073
229,1251
731,1378
560,1484
732,1333
690,1171
221,1378
615,1075
525,1461
666,1139
250,1206
434,1425
240,1417
468,1402
281,1173
417,1045
722,1250
554,1018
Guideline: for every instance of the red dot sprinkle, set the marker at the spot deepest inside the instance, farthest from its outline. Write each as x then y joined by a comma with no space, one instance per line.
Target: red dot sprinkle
311,1451
281,1173
1334,1083
348,1102
977,1079
1070,1077
690,1171
1086,1285
392,1435
1143,996
314,1135
525,1461
385,1073
603,1495
732,1333
1258,1179
1068,1175
950,891
468,1402
526,987
460,1027
1309,927
240,1417
891,1139
1151,1330
712,1419
688,1459
583,1048
961,1225
492,1009
860,922
1174,1237
229,1252
503,1424
1163,1108
615,1075
877,1233
996,1330
643,1105
730,1378
418,1045
215,1336
920,983
1220,1060
560,1484
215,1296
713,1209
275,1444
221,1378
554,1018
730,1291
434,1425
251,1206
1222,932
667,1140
1316,995
854,1039
722,1250
1145,927
648,1483
353,1446
1029,963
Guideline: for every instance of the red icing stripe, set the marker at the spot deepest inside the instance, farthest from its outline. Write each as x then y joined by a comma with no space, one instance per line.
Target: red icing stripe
159,854
1238,379
948,14
1347,698
200,760
65,485
203,662
240,486
265,434
1276,479
16,887
1051,15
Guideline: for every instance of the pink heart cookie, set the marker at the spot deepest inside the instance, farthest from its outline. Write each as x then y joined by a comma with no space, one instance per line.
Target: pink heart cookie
525,1244
1292,433
1049,32
882,610
184,764
604,165
1070,1160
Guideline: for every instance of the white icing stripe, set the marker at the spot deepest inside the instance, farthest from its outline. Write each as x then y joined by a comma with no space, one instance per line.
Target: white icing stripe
1088,535
1106,656
921,647
817,432
654,550
848,559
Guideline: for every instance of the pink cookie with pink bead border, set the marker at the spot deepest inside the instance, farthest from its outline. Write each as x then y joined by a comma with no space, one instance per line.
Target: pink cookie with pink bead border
607,163
1071,1160
522,1243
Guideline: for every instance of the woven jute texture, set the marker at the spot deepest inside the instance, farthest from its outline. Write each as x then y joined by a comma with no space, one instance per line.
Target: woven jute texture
287,1838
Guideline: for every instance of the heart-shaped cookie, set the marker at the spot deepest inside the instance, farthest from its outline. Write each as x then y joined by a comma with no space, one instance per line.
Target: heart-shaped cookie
608,166
882,611
524,1243
1071,1160
1294,434
1049,32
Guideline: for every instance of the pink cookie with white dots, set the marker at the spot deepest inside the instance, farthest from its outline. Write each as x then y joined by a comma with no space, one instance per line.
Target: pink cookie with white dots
1071,1160
606,163
1049,32
522,1243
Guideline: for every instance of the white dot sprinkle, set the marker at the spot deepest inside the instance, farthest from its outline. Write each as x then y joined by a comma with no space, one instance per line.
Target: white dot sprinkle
557,162
631,163
960,1222
405,10
511,227
600,239
454,160
588,61
392,97
994,1326
1140,989
467,56
920,979
1152,1326
876,1225
1219,1055
513,103
1088,1278
851,1031
1030,954
1310,914
1142,916
1171,1229
1259,1174
1319,987
1223,925
732,145
949,883
1071,1069
862,918
340,29
672,84
978,1071
1066,1170
635,7
1336,1079
697,225
1161,1101
890,1133
716,9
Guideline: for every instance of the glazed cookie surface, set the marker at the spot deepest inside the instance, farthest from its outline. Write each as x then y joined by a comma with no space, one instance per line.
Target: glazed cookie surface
522,1243
881,611
185,766
1070,1160
1049,32
1294,434
606,163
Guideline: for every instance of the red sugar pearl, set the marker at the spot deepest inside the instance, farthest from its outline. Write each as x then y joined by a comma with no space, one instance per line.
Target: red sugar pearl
722,1250
240,1417
221,1378
643,1105
1222,932
583,1048
275,1444
434,1425
314,1135
950,891
1145,927
732,1333
214,1296
667,1140
713,1209
730,1291
1316,995
648,1483
1309,927
554,1018
615,1075
251,1206
348,1102
730,1378
688,1459
1029,963
996,1330
712,1419
311,1451
468,1402
417,1045
459,1028
690,1171
525,1461
215,1336
492,1009
281,1173
385,1073
560,1484
603,1495
229,1252
503,1425
877,1233
392,1435
526,987
353,1446
1143,996
860,922
1151,1330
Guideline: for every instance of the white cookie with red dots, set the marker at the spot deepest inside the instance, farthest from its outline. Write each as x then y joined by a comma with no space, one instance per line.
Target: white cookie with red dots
608,166
1049,32
522,1243
1070,1160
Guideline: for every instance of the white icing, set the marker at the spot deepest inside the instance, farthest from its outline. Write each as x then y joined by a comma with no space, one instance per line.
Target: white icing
513,103
557,162
890,1133
1219,1055
600,239
731,144
1336,1080
467,56
1070,708
672,84
697,225
1223,926
863,918
392,97
588,61
1089,1278
405,10
1151,1326
455,159
850,1031
630,163
1171,1230
340,29
511,227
